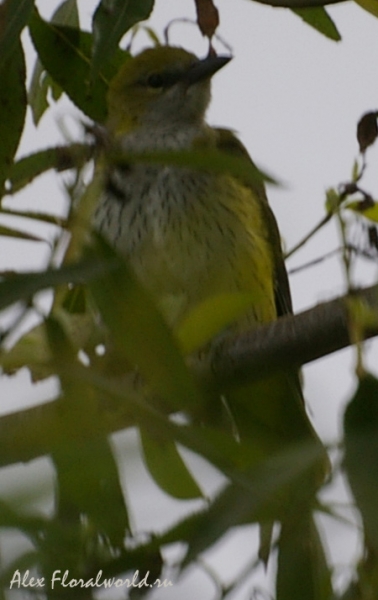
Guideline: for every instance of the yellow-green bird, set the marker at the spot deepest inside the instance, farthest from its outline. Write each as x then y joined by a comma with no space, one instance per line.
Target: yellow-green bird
187,234
191,234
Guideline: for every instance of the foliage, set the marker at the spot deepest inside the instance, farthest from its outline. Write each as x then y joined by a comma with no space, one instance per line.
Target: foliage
120,367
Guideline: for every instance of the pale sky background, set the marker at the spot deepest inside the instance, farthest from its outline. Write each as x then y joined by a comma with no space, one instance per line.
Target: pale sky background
294,98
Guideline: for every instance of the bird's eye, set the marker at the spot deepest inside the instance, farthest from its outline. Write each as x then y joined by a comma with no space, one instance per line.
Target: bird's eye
155,80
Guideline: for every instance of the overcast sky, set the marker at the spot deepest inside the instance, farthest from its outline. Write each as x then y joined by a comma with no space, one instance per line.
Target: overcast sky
294,98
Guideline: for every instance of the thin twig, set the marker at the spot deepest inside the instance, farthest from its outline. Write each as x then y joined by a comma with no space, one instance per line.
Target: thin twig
313,231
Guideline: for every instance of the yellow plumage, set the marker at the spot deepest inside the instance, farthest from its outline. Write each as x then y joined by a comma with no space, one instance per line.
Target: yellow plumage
191,235
188,234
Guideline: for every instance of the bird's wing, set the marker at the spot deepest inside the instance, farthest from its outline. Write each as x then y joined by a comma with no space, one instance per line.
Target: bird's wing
227,142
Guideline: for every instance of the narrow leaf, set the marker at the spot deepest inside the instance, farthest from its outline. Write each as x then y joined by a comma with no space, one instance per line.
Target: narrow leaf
139,330
254,495
20,235
210,317
370,6
367,130
204,160
31,351
318,18
88,485
302,567
14,15
361,453
166,466
13,109
88,477
59,158
370,212
67,14
16,287
111,20
37,216
40,85
65,53
41,82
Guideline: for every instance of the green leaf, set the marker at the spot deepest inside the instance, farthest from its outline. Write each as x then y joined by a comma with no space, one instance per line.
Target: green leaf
88,484
371,212
40,85
75,300
30,351
14,15
41,82
333,200
67,14
210,317
59,158
261,493
65,53
75,390
303,572
17,287
370,6
367,130
37,216
28,560
13,109
356,171
20,235
10,516
319,19
166,466
139,330
205,160
111,20
87,473
361,453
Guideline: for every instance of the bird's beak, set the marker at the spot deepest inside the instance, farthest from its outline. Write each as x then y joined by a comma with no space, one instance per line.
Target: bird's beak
205,68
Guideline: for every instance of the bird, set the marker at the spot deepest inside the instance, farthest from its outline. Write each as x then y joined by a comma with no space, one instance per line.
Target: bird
190,234
187,234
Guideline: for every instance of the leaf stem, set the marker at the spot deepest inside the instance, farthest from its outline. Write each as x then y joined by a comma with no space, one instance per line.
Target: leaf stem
311,233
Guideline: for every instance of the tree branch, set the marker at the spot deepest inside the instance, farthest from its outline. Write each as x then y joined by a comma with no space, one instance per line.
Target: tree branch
298,3
293,340
289,341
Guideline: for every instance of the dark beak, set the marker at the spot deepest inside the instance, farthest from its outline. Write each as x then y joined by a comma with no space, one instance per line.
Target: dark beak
205,68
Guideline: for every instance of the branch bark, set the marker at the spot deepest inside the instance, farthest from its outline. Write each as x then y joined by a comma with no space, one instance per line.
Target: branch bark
293,340
290,341
298,3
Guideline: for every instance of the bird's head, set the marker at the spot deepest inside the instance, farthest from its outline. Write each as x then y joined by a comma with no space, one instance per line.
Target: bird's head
162,86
